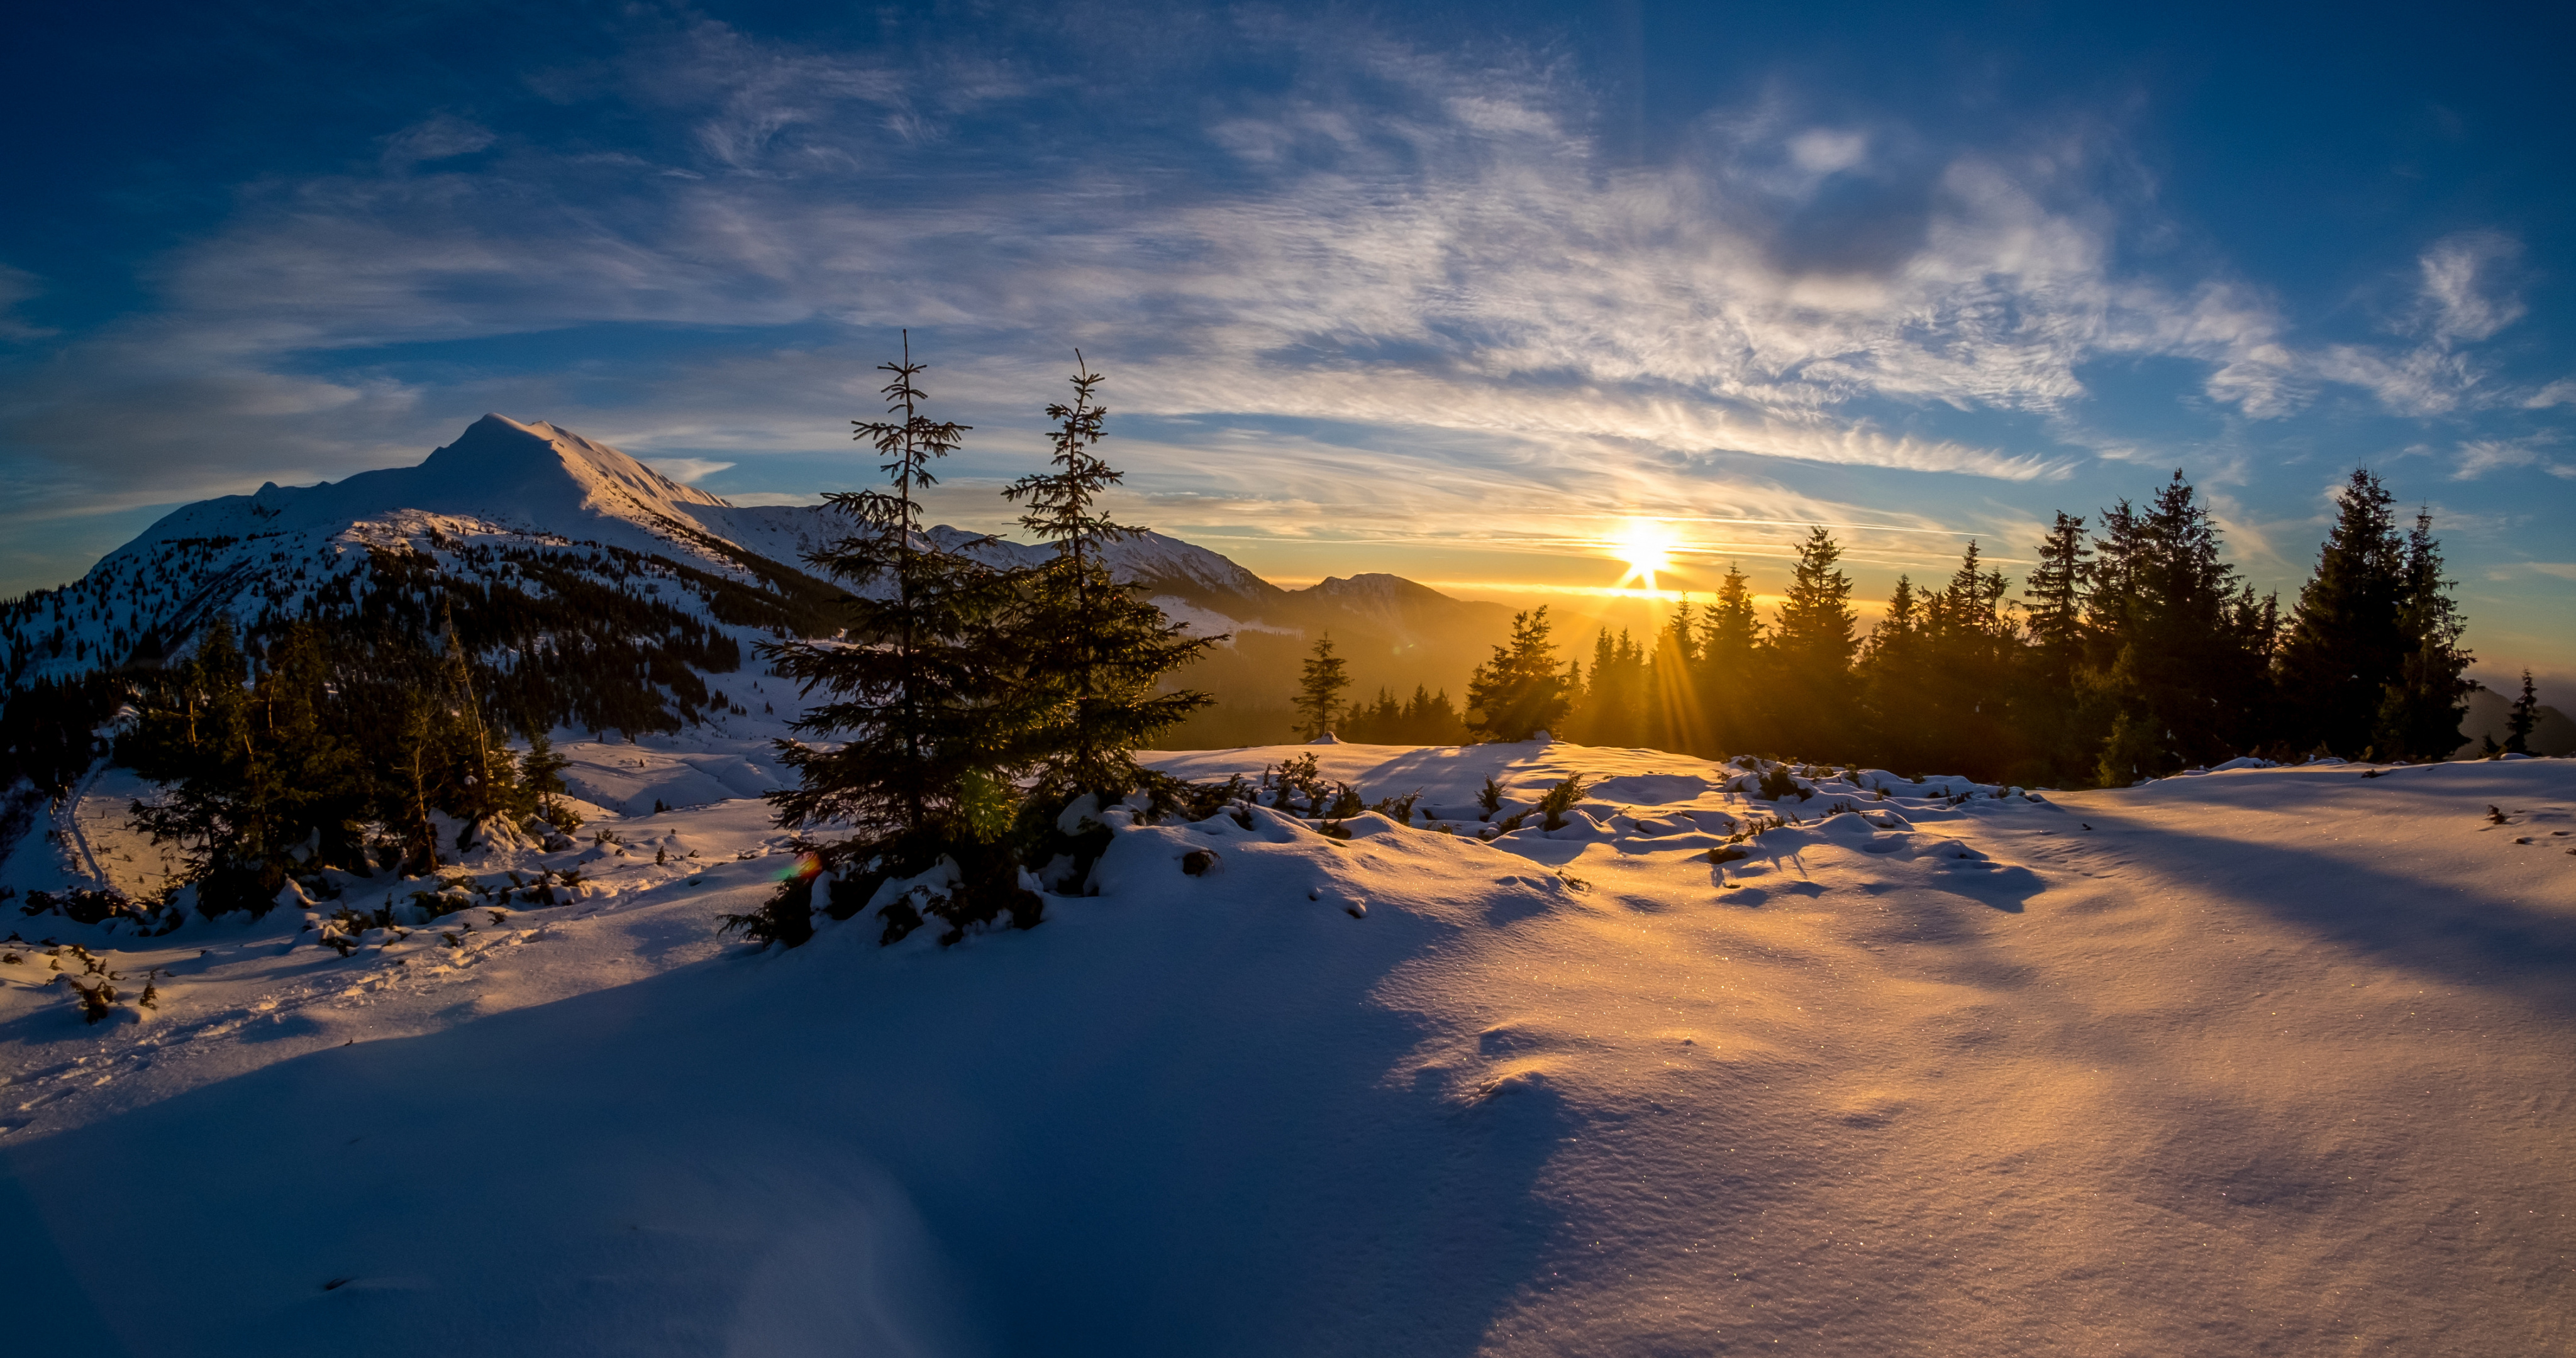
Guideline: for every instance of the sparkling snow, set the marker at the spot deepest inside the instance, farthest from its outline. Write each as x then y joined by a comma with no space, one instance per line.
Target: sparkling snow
2266,1060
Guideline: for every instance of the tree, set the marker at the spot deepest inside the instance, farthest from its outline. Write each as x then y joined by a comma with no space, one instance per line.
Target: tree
2188,652
2347,641
1319,693
1611,710
2524,715
2420,709
1519,692
1731,656
922,697
1092,649
1894,678
2048,701
1814,642
2056,599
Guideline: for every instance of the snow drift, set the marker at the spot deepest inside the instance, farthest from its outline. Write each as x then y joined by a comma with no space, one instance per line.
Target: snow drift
2263,1060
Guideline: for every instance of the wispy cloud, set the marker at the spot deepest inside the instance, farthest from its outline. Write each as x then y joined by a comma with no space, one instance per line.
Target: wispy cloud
1430,258
16,286
2480,456
688,471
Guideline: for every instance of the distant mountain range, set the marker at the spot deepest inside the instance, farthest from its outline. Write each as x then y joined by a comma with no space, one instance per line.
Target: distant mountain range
505,495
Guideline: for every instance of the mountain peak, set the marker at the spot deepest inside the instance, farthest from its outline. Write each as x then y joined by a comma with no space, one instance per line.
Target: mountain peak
499,452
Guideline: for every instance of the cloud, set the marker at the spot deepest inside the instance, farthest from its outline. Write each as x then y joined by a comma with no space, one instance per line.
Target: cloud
688,471
16,286
2464,297
2564,570
2480,456
2558,393
1424,263
438,137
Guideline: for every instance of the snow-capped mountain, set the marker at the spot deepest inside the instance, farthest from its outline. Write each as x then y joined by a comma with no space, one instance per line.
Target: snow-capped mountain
529,512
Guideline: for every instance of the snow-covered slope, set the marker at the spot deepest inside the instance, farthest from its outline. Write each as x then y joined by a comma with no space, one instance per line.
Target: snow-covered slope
502,485
2259,1061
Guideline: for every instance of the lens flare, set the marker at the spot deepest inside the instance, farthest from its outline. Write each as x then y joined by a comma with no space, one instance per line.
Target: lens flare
1646,546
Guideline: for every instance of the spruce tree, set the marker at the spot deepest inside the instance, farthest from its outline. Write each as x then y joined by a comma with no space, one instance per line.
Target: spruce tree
2346,640
1894,678
1730,689
2420,709
1091,648
2056,599
1519,692
1319,691
922,697
2188,652
2048,700
1814,641
2519,721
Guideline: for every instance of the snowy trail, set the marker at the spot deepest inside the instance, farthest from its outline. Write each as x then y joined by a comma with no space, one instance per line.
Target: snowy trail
2265,1061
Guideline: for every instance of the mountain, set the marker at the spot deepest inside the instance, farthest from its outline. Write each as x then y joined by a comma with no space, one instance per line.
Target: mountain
611,594
2554,734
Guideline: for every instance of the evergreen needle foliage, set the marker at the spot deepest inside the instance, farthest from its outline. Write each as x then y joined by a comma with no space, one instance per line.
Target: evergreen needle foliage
1319,691
919,692
1094,651
1519,693
977,709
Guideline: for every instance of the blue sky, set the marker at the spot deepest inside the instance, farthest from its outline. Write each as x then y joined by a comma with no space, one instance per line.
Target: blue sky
1448,292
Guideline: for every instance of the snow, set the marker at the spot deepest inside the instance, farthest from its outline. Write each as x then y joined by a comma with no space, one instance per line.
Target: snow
2273,1060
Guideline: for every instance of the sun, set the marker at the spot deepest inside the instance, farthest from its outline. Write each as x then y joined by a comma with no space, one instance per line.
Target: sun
1646,546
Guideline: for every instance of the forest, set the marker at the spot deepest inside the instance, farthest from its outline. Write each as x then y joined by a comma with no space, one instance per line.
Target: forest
2132,650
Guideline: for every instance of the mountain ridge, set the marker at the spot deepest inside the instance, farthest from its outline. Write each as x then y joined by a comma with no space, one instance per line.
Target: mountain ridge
506,490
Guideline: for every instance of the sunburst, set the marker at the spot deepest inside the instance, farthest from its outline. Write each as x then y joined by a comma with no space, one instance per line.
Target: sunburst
1647,546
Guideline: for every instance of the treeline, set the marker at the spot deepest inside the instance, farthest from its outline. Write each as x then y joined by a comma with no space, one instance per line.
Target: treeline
324,755
2131,650
355,709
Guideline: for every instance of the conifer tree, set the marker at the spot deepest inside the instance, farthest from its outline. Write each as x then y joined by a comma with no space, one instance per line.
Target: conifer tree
1092,648
2187,676
922,698
2521,718
1319,691
2346,640
1519,692
1731,653
1814,641
2056,599
1893,680
2420,709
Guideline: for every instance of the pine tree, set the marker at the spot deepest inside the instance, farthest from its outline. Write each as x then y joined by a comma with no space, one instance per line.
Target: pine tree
1731,655
1093,649
1893,680
2188,652
1814,641
2346,641
1319,692
922,697
2420,709
2056,598
541,784
1519,692
2524,715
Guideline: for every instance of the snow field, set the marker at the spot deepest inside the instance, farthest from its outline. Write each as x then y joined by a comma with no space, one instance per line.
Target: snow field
2264,1060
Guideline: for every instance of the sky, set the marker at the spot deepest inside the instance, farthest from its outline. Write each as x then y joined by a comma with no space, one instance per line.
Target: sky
1470,294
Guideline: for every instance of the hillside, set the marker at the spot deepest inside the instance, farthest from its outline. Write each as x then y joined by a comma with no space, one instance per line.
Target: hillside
563,559
2258,1061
